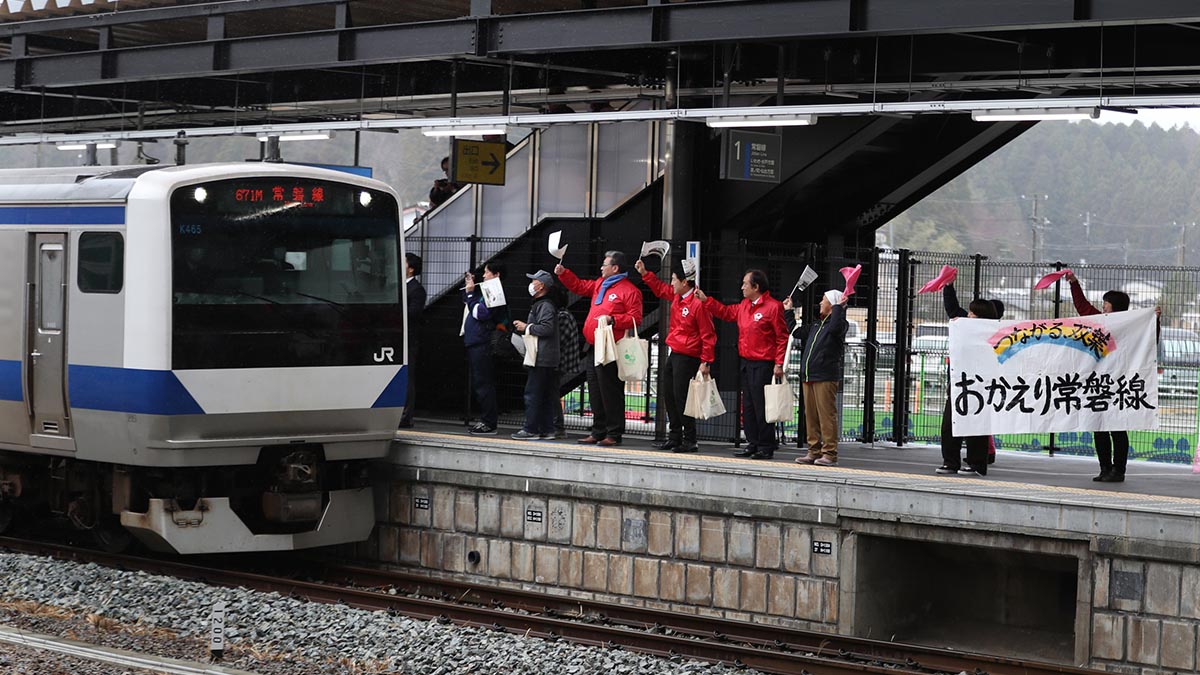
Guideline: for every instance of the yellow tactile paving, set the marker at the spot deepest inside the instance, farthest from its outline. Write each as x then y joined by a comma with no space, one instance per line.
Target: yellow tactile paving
797,468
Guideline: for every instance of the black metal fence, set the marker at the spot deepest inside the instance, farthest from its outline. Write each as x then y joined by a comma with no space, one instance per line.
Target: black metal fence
894,388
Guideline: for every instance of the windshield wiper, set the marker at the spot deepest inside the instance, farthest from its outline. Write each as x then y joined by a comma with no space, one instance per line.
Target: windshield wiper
336,305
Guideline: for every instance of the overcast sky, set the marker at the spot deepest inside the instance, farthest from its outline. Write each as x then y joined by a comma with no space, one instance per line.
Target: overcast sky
1164,117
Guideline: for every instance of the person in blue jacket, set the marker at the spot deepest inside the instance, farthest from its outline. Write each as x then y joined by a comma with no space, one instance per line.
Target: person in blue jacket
479,323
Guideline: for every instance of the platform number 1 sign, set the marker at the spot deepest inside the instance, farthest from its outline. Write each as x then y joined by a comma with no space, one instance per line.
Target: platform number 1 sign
752,156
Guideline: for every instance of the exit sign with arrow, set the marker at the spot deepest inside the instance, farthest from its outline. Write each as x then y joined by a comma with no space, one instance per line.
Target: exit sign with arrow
478,162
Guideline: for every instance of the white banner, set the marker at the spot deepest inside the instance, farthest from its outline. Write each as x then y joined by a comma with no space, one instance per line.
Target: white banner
1087,373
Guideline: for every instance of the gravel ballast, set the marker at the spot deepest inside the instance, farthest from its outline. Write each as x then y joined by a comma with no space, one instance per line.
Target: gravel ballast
269,633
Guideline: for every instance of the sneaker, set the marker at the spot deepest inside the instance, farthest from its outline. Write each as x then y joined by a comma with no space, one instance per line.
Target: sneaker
522,435
825,461
806,460
546,437
482,429
968,471
946,470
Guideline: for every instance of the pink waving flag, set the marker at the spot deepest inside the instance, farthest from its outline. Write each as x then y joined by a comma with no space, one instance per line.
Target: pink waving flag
1048,280
942,280
851,275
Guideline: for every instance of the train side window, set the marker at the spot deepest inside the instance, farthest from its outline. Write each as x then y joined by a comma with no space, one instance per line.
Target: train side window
101,262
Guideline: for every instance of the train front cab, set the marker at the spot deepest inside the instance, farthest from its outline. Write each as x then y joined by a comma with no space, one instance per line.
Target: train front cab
234,411
286,347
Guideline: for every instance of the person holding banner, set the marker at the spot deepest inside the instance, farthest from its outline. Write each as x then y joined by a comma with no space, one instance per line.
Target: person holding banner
693,342
1112,447
615,299
762,344
977,446
824,341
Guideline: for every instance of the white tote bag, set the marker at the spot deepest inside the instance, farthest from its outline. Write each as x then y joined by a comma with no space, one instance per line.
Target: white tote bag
711,404
694,406
605,346
779,401
704,399
530,343
633,358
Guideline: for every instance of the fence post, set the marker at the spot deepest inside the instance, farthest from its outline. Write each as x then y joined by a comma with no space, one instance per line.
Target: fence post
978,259
737,417
1057,314
473,257
903,346
871,354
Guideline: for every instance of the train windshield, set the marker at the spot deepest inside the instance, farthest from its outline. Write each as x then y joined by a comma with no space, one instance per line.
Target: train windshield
284,272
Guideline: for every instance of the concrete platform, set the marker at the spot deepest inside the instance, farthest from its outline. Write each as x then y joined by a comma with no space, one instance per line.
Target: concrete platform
1149,479
1035,559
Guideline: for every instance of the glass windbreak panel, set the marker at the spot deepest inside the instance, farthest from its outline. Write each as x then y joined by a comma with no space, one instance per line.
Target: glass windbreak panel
623,151
273,272
506,210
50,287
101,262
563,171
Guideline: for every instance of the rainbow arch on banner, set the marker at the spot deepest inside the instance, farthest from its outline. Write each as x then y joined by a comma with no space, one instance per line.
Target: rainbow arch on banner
1079,334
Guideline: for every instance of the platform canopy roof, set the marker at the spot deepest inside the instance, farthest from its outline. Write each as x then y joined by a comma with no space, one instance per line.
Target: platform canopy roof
87,66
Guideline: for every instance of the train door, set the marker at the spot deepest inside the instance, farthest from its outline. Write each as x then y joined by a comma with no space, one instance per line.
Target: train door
47,331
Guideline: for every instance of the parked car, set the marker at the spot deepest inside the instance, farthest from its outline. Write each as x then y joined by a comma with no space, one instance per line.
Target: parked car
1178,363
932,330
929,359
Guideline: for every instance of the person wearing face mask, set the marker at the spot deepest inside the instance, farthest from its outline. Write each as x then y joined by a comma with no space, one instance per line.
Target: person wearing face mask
762,342
692,340
823,340
541,383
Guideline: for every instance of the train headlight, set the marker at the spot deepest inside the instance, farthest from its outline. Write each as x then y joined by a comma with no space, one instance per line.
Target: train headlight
364,198
200,194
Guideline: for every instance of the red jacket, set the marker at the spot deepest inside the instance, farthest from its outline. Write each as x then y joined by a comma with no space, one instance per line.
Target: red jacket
622,301
692,332
1082,306
762,334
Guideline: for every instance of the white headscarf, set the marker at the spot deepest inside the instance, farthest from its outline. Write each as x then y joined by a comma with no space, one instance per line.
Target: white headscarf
834,297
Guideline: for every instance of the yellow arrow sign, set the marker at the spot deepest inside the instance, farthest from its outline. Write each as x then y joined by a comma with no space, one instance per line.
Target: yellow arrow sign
479,162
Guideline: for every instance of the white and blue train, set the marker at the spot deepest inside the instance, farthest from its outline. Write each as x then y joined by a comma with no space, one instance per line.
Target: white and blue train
204,356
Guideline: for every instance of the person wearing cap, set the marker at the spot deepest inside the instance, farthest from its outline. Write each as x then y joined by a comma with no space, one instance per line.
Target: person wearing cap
693,342
824,340
541,383
614,299
762,342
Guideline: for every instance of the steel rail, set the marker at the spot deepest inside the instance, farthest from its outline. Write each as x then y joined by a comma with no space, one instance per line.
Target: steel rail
770,649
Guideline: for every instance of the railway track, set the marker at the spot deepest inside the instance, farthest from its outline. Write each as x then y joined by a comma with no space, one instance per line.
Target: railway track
769,649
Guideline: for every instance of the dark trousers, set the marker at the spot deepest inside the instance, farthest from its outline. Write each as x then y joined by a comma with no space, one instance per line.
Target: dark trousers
483,382
677,376
541,398
977,447
759,434
1112,449
607,396
410,397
